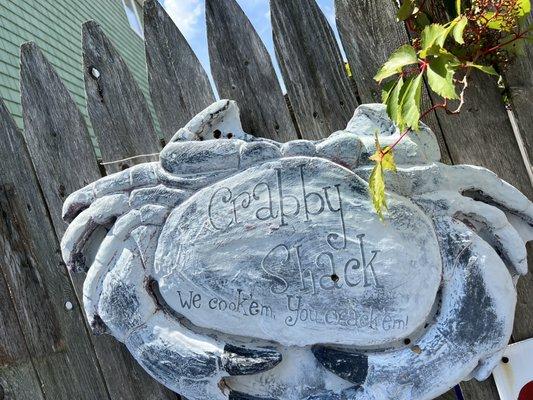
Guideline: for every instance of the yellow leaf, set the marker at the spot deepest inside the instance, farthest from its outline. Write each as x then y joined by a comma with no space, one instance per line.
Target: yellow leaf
384,159
388,160
377,190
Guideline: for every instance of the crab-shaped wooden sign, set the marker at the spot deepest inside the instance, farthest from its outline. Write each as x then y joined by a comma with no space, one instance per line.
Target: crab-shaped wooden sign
237,267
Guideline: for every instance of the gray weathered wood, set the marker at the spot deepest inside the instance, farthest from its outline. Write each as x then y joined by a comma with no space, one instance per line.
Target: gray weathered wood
243,71
474,390
18,377
18,382
56,338
450,395
519,79
118,110
179,85
370,33
319,88
523,328
482,134
61,151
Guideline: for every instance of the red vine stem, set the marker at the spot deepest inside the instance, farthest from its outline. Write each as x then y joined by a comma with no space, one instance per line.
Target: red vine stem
479,32
518,36
408,130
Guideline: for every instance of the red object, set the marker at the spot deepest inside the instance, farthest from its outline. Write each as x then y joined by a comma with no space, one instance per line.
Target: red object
527,392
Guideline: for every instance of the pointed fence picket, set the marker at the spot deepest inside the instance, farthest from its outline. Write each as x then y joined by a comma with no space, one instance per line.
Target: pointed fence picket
519,79
319,89
19,377
118,110
243,71
48,347
56,339
63,156
179,85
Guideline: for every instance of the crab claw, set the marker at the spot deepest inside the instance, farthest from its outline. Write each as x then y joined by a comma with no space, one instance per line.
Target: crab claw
190,364
472,327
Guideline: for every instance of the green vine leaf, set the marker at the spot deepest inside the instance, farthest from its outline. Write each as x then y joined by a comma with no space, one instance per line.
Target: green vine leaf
440,73
402,57
386,91
406,10
432,35
393,102
410,104
484,68
377,190
459,29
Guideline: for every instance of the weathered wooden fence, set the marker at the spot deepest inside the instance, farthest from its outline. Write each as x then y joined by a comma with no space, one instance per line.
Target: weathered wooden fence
46,350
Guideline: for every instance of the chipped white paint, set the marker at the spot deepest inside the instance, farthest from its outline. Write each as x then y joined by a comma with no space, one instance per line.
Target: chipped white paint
231,268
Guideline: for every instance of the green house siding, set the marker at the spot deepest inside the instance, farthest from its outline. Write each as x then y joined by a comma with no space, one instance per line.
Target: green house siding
55,25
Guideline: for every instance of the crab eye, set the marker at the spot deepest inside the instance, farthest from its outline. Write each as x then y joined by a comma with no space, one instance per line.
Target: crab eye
217,134
230,135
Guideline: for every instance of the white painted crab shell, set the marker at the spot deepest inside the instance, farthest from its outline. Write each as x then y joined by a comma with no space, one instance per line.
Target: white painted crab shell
249,269
292,251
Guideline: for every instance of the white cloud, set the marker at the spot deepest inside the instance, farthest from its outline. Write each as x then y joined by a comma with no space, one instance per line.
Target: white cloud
186,14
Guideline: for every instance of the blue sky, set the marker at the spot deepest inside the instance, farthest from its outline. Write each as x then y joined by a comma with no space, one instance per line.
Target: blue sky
189,16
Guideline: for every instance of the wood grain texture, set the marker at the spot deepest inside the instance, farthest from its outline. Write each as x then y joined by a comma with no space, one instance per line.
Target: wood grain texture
19,382
482,134
243,71
56,339
523,328
118,110
18,377
474,390
61,151
519,79
179,85
369,33
449,395
318,85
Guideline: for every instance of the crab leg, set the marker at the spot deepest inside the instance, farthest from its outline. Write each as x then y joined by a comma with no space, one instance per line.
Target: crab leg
103,212
498,211
119,299
475,317
475,182
487,220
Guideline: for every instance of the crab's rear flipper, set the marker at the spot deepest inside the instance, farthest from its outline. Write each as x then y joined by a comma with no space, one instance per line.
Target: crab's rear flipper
466,338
